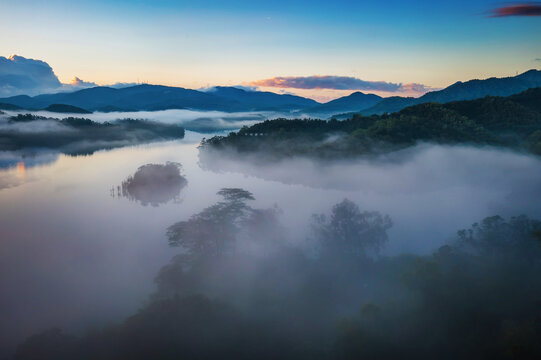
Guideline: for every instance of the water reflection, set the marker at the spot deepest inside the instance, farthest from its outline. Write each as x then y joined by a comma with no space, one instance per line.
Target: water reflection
26,159
153,184
62,236
21,169
14,168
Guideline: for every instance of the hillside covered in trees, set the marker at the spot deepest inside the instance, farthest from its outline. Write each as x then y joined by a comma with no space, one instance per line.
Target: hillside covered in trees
513,122
79,135
469,90
239,290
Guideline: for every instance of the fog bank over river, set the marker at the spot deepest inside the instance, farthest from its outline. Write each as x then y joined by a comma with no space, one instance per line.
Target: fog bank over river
67,238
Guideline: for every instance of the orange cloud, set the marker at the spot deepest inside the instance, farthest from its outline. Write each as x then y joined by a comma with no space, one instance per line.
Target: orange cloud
337,83
522,9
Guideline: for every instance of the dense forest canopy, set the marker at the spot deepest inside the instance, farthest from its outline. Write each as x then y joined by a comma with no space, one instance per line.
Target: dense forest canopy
513,122
239,289
73,135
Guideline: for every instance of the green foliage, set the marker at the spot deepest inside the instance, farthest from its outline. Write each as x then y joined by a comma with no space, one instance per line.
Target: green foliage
497,236
82,136
513,121
50,344
212,232
26,118
237,291
534,142
477,297
350,232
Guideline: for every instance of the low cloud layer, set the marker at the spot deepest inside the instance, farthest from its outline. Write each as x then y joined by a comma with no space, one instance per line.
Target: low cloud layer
337,83
520,9
429,192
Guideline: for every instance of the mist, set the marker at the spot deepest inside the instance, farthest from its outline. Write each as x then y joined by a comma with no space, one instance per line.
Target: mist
27,140
231,250
430,190
201,121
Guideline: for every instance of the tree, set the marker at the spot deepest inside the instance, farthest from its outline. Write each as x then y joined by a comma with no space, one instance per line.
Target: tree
348,231
496,236
50,344
213,231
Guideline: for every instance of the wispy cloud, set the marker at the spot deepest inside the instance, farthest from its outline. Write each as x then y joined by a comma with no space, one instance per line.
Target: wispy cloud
78,83
120,85
537,59
517,9
338,83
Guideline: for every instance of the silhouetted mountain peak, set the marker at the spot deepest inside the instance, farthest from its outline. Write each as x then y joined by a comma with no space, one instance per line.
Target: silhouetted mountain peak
532,74
356,101
468,90
160,97
358,94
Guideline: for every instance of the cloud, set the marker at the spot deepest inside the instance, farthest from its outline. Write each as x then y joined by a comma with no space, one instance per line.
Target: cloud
19,75
22,76
78,83
414,87
537,59
215,88
121,85
338,83
517,9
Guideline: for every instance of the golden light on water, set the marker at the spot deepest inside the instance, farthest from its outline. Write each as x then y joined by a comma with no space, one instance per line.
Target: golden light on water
21,169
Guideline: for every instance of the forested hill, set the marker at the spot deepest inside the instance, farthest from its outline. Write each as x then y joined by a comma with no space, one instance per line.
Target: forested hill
513,122
76,136
469,90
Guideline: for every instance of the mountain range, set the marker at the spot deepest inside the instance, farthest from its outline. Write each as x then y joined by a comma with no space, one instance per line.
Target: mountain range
157,97
232,99
469,90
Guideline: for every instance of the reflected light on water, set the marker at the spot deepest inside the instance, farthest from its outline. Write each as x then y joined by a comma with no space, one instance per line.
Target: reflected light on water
21,169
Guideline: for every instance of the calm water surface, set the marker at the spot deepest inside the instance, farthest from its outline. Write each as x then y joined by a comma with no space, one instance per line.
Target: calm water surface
74,254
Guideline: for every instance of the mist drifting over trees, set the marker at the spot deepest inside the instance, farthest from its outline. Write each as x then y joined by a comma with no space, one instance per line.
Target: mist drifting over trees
240,288
405,235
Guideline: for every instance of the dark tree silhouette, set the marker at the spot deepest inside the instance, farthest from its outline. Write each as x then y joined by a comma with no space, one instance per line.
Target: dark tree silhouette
212,232
350,231
155,184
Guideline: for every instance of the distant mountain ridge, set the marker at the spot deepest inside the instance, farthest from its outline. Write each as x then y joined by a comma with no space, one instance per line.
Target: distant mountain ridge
353,102
262,100
232,99
469,90
61,108
158,97
512,122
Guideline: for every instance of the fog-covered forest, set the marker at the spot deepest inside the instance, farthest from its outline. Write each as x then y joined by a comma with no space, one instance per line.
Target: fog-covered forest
511,122
240,287
355,252
307,180
73,135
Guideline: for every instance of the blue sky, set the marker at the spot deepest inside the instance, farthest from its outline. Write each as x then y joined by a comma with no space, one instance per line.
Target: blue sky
202,43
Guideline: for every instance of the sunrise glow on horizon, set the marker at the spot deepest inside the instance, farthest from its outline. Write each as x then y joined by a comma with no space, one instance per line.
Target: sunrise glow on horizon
213,43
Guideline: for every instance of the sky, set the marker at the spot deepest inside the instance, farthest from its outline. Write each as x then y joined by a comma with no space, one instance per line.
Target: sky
415,45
